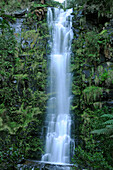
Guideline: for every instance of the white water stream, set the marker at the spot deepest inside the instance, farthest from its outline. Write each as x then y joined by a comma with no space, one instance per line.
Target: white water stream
58,139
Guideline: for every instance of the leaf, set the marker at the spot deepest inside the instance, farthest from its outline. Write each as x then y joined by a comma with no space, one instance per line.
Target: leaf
91,55
107,115
109,127
108,122
1,121
99,131
100,42
102,32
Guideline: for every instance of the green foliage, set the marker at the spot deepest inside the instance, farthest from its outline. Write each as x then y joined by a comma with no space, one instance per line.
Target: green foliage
91,153
89,159
53,3
91,65
35,5
108,129
13,5
22,93
91,93
10,157
88,46
102,8
104,76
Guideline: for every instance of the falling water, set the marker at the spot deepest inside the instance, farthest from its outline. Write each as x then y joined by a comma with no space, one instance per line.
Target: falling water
58,139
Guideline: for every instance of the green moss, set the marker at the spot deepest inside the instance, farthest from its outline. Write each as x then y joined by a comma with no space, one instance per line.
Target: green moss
91,93
23,92
104,76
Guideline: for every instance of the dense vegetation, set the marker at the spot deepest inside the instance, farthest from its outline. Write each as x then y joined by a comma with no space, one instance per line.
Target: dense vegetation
23,74
92,67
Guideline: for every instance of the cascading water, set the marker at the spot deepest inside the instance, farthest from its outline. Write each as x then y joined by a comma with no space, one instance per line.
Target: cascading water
58,139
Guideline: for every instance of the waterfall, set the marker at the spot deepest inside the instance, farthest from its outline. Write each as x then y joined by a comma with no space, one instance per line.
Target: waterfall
58,138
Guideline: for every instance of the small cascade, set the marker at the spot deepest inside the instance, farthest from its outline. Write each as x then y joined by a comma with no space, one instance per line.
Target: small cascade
58,138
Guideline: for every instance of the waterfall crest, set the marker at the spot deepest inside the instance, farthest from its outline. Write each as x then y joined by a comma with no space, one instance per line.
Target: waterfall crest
58,137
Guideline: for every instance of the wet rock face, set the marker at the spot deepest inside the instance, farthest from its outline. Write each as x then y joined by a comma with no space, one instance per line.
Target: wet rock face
23,89
45,165
98,68
92,88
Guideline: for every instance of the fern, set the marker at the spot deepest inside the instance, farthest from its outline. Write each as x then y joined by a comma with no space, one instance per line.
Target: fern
108,130
108,122
99,131
107,115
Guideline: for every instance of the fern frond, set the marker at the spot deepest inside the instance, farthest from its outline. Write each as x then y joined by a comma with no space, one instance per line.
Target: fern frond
109,127
108,122
28,121
5,127
107,116
1,122
100,131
